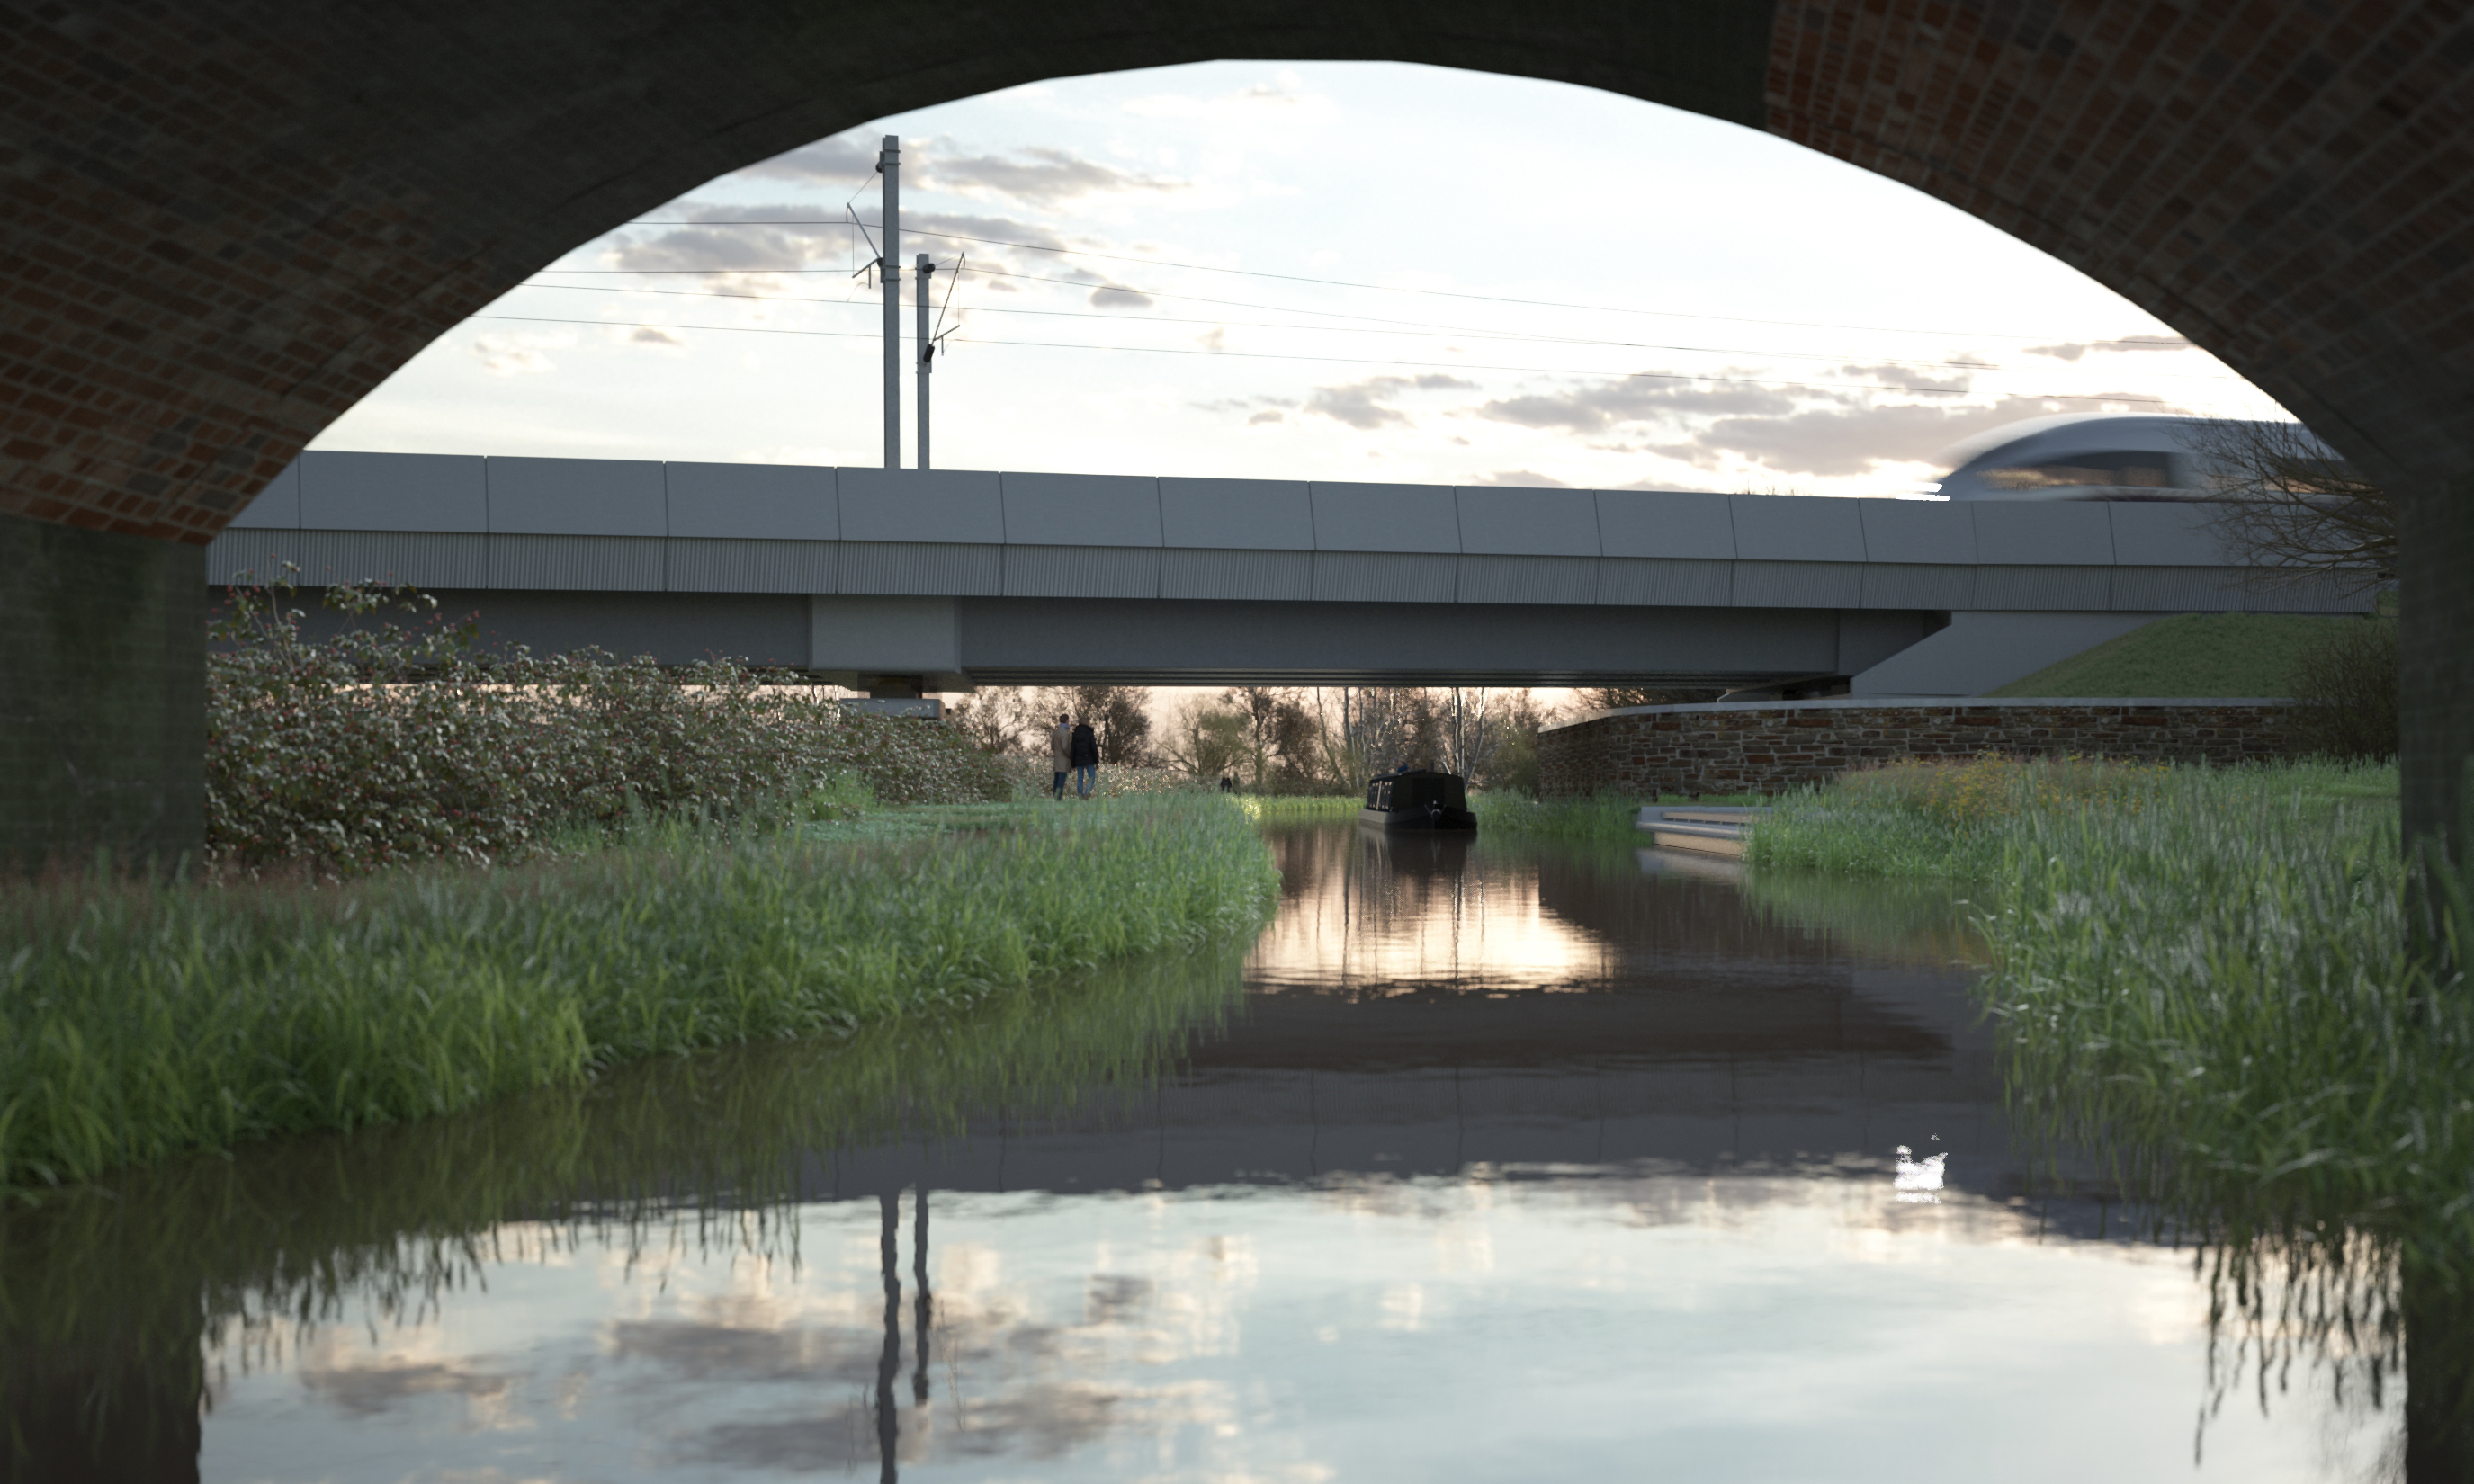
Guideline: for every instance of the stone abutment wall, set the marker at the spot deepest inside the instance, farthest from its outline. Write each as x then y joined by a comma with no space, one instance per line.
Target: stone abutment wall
1765,748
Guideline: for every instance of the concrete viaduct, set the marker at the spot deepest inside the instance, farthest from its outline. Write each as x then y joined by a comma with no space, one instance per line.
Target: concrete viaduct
902,580
224,222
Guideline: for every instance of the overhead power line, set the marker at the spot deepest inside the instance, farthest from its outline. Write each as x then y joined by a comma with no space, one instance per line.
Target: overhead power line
1381,327
1338,360
1345,283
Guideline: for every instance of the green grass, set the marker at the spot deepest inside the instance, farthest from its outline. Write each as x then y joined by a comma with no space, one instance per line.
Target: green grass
1594,818
1962,821
2189,655
138,1023
1302,808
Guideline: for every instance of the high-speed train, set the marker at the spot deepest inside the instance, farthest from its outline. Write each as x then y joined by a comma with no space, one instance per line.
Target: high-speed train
2088,456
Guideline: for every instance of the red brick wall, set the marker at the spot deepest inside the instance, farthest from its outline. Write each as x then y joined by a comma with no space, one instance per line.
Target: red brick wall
1763,749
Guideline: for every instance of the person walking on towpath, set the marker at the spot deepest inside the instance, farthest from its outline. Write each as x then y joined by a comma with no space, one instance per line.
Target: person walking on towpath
1060,754
1085,757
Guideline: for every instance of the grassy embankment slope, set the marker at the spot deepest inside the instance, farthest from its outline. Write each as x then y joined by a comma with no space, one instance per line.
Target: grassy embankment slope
2189,655
2202,971
139,1022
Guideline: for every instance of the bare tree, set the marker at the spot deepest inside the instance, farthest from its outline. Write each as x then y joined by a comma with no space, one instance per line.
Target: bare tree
2289,508
1206,738
1119,717
1362,728
1616,697
1261,706
997,719
1471,729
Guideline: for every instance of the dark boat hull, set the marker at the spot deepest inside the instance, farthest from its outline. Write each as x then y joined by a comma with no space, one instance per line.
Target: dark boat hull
1460,821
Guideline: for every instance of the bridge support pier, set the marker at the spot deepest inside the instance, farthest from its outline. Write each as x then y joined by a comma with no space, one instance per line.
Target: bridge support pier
102,700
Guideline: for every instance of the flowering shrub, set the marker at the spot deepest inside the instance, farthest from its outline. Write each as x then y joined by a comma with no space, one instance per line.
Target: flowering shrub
1033,775
393,743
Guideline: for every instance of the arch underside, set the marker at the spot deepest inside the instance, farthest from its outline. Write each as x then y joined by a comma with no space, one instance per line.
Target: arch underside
230,227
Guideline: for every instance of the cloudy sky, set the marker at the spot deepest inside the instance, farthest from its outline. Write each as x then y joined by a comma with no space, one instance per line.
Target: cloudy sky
1334,272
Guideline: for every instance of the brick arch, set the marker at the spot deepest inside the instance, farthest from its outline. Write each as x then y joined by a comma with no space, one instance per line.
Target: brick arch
229,219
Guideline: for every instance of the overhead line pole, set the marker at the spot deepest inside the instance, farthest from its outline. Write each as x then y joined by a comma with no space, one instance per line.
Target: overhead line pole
925,274
888,164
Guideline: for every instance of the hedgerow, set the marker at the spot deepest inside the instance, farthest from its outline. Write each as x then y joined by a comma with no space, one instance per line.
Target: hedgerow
394,742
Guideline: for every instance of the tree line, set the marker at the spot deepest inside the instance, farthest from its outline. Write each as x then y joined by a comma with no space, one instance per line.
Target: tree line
1282,739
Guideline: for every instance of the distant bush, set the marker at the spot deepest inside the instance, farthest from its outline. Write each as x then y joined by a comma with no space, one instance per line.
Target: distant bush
1995,785
1034,775
2347,683
392,743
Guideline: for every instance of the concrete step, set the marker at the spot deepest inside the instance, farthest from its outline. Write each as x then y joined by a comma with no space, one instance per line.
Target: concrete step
1675,827
1653,815
1701,839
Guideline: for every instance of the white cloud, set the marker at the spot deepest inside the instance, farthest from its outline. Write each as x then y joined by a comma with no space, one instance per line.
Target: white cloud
1282,100
1858,439
1801,431
1599,407
518,355
1368,405
2071,350
1038,175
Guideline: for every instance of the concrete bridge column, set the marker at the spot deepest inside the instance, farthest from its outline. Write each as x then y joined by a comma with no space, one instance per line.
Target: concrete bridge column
2436,611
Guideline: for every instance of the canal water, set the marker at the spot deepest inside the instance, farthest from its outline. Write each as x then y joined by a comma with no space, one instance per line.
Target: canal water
1488,1161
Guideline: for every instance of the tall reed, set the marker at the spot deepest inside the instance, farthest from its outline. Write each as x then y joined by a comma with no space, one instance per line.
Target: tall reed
139,1021
1956,819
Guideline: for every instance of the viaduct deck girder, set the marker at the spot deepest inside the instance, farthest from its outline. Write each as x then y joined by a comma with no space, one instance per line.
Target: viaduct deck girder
1026,577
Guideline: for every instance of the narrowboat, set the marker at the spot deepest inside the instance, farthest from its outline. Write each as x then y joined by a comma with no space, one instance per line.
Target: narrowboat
1418,800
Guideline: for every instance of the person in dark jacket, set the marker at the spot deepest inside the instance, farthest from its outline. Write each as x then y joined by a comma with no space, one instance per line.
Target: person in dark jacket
1086,760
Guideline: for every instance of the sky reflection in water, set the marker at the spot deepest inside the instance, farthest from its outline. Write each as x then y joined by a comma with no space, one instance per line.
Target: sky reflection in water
1515,1164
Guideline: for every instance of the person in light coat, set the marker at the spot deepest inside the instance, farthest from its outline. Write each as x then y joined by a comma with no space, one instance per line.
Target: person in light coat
1060,754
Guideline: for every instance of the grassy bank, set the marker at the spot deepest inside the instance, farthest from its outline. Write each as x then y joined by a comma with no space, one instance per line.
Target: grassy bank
2189,655
1965,820
2202,973
138,1023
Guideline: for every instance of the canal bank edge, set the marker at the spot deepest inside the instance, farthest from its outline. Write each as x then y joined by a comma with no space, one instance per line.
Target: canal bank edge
1767,747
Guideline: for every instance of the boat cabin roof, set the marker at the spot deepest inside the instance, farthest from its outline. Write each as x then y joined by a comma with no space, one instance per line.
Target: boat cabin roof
1416,789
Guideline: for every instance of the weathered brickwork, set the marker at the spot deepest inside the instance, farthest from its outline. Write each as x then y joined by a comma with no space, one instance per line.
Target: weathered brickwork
2290,185
1763,749
226,220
